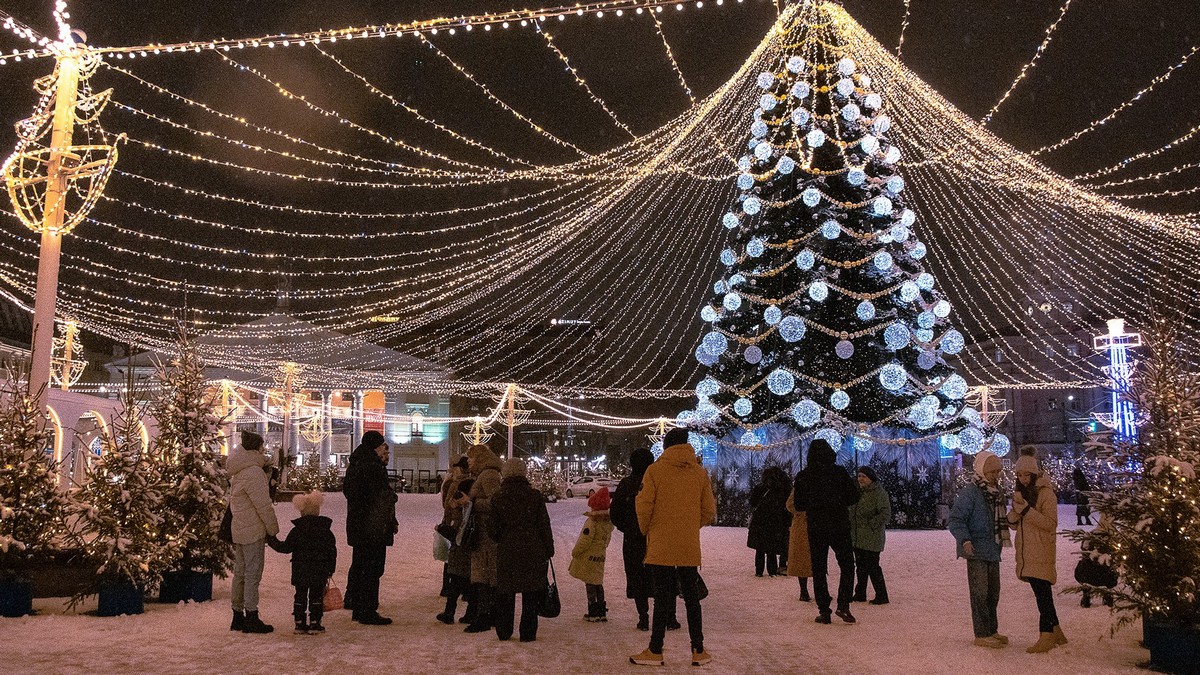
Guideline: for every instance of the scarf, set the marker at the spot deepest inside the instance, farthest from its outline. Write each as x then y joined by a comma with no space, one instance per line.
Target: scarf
997,501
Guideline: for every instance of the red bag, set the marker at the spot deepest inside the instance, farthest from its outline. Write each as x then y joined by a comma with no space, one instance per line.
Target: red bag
333,597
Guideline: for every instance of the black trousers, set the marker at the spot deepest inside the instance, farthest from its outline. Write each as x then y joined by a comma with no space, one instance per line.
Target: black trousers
666,582
770,559
1044,593
309,599
505,607
819,544
868,568
362,583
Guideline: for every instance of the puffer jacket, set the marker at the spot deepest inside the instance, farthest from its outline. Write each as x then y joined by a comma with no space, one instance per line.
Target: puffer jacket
370,502
1037,526
973,519
676,500
520,525
591,549
249,499
313,548
483,556
869,518
824,491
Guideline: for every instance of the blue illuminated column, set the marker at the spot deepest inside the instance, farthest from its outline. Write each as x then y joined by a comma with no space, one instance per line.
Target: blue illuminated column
1119,370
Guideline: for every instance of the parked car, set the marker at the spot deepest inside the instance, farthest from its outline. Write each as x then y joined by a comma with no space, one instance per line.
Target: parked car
586,486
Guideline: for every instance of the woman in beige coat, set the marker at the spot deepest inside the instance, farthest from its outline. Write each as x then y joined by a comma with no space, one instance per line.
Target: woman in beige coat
485,467
1034,516
799,560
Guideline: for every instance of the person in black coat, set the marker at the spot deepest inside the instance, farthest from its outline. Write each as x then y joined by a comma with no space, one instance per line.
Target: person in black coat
825,491
1083,509
623,513
314,557
769,520
520,525
370,526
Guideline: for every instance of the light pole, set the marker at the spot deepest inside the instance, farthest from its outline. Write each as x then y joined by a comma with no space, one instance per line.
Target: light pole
1120,371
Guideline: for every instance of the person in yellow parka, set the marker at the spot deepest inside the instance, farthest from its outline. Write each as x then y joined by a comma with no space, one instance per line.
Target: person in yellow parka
1034,516
587,558
675,502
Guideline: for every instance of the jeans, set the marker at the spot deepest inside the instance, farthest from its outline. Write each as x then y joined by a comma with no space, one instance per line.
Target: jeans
362,583
1044,593
771,560
506,607
595,594
983,582
247,574
667,582
819,544
867,564
310,599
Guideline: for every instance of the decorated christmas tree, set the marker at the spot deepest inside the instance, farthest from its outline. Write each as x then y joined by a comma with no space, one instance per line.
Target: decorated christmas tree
189,435
33,511
824,320
546,478
1149,531
120,506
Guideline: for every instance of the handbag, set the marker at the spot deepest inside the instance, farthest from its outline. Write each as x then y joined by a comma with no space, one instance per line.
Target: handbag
441,547
333,597
468,534
551,605
225,531
447,530
701,587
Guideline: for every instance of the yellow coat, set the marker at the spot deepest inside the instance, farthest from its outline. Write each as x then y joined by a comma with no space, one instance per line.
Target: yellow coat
799,562
587,558
675,502
1037,530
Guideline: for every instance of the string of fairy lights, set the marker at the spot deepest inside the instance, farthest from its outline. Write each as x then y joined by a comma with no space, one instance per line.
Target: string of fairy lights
618,241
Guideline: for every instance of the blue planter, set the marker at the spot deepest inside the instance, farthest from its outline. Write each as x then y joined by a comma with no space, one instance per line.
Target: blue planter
16,598
1173,648
200,586
120,597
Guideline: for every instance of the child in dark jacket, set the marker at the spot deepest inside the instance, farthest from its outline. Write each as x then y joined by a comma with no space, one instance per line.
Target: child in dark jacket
314,557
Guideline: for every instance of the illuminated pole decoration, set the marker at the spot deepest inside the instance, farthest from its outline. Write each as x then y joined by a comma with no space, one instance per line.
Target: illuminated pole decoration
1122,420
477,432
67,364
657,432
514,415
289,382
54,187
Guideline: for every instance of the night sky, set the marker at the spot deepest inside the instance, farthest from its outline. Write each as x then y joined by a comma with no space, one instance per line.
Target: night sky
969,50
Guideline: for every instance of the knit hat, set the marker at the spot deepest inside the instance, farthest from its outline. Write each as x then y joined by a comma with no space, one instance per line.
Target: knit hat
372,439
869,473
251,441
1027,464
513,467
309,504
640,460
676,436
982,459
600,500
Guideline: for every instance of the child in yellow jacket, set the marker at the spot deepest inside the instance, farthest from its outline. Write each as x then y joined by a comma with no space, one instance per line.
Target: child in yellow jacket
587,558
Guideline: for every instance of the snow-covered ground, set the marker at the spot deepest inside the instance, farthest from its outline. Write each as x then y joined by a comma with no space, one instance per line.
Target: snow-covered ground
752,625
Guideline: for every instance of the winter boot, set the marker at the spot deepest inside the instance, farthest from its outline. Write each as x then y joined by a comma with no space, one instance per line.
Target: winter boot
845,615
646,658
804,596
1059,638
255,625
823,617
591,613
239,620
990,642
673,624
600,615
881,594
1045,643
699,658
301,628
315,628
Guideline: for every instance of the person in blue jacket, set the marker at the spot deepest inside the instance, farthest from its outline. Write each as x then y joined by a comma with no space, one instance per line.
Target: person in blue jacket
979,523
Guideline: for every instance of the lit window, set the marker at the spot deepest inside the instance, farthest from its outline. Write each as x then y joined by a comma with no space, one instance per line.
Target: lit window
418,424
999,356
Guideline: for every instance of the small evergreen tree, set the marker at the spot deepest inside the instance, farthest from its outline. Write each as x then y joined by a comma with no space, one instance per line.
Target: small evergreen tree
33,510
120,506
189,433
546,478
1150,526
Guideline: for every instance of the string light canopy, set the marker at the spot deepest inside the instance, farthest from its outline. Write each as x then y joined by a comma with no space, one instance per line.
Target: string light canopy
216,202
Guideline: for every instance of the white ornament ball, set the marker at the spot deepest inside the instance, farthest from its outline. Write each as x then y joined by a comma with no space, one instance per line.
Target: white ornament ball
846,66
952,342
925,281
818,291
715,343
753,355
844,349
873,101
830,229
839,400
750,439
955,387
893,377
806,259
707,387
759,129
743,406
941,309
856,176
730,221
791,329
918,251
772,315
800,117
892,155
728,257
926,360
767,102
865,310
785,165
806,413
882,206
766,80
908,291
745,181
709,314
781,382
815,138
732,301
755,247
883,261
811,197
869,144
894,185
895,336
795,64
762,151
881,125
751,206
850,112
801,90
845,86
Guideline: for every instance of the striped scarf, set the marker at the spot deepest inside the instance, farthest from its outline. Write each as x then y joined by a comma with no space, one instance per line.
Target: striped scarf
997,500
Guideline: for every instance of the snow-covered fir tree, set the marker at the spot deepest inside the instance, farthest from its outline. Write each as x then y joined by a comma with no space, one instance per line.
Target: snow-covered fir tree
33,511
120,506
1149,530
825,321
187,449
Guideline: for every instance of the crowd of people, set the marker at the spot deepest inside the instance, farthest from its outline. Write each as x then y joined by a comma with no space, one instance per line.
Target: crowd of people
497,543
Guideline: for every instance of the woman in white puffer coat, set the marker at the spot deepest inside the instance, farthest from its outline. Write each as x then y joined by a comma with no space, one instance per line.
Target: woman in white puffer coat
253,521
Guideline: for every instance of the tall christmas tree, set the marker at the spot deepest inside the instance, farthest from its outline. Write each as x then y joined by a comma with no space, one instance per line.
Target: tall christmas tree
33,511
120,506
1149,530
189,433
825,320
